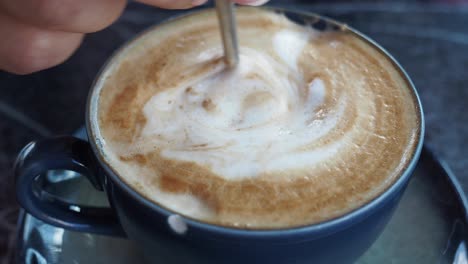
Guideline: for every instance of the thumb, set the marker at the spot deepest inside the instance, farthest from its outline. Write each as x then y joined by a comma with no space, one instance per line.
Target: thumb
251,2
184,4
174,4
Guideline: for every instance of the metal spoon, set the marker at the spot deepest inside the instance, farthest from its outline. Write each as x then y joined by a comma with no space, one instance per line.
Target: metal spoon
227,22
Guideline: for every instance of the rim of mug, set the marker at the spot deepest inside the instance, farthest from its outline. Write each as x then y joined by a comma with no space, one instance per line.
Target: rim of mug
318,229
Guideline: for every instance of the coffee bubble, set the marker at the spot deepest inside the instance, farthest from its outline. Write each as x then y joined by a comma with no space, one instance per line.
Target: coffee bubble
310,125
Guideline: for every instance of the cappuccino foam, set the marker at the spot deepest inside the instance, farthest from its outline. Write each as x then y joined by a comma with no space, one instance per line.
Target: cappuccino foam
309,126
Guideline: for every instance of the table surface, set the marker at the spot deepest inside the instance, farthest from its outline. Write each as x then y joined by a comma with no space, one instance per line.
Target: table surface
429,39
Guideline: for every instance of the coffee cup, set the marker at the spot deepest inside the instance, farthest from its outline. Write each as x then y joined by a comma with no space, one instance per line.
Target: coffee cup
173,159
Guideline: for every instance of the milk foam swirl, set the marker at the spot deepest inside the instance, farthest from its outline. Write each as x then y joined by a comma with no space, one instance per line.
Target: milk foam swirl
309,126
247,121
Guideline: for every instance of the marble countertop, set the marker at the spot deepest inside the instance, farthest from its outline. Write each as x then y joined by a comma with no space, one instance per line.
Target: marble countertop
429,39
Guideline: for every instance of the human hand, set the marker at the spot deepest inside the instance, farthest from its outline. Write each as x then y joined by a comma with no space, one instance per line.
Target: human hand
38,34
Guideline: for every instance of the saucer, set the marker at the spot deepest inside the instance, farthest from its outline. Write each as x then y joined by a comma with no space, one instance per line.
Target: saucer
429,225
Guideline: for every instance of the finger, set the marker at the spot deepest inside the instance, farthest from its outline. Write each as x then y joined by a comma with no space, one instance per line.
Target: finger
66,15
174,4
25,49
251,2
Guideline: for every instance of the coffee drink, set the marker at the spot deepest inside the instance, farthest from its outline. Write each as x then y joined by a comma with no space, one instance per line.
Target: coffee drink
309,126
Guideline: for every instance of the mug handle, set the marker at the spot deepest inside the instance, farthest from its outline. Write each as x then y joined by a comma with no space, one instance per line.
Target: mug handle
62,153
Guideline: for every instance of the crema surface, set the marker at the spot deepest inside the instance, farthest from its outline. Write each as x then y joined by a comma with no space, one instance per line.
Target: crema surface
310,125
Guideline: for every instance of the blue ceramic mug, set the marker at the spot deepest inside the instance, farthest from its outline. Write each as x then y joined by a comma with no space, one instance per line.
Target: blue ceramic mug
340,240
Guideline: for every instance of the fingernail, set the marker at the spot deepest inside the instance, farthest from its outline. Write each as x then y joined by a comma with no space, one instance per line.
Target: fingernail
198,2
254,2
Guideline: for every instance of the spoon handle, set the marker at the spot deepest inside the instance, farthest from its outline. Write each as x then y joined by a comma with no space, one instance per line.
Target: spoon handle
227,22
